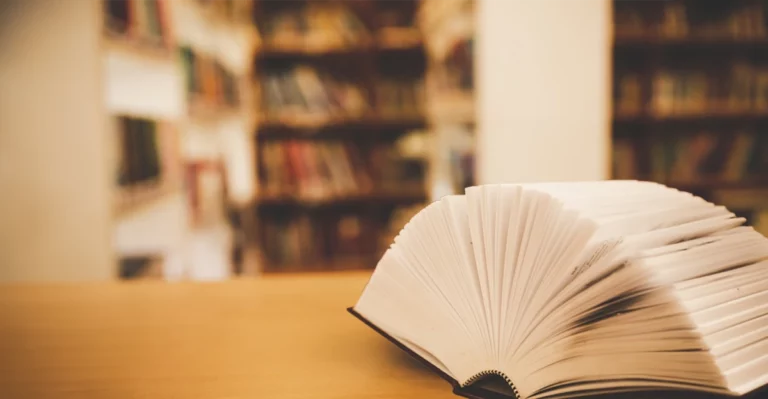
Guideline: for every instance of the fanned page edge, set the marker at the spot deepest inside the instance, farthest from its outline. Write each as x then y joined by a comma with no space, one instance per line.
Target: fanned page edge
468,385
471,391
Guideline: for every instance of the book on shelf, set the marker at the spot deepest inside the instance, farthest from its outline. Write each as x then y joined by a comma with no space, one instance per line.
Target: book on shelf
400,98
629,21
694,158
674,21
743,90
350,235
148,159
291,242
573,289
144,21
313,27
209,84
312,170
302,95
327,170
207,192
139,151
679,93
628,98
306,242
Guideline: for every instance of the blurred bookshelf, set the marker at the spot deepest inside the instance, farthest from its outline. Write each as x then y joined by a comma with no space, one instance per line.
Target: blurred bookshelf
690,99
179,98
143,107
340,134
217,41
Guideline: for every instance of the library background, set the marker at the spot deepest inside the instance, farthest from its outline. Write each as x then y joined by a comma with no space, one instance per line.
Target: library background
214,139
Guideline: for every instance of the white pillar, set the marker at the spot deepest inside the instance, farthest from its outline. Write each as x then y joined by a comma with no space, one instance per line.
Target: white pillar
55,183
543,89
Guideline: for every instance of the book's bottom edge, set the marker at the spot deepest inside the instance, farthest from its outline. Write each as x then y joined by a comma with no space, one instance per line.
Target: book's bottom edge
470,392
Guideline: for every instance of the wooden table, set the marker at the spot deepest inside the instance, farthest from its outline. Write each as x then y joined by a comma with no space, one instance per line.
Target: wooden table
286,336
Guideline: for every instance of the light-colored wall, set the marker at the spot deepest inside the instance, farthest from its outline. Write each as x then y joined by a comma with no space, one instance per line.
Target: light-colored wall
54,181
544,76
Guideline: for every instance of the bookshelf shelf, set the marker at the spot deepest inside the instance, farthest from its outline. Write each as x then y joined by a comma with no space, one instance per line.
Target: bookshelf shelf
703,42
359,128
355,263
711,116
341,83
376,198
691,96
142,196
201,110
393,43
140,49
300,50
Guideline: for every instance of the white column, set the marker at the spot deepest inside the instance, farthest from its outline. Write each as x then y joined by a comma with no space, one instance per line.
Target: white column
543,90
54,177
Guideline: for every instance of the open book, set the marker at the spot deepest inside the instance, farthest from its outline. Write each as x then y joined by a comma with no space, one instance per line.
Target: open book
569,289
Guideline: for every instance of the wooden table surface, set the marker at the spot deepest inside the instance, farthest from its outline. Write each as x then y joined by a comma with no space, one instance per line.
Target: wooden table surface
286,336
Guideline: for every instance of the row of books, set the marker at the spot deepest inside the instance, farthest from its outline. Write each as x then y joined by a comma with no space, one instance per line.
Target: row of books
744,89
738,20
140,20
326,170
314,26
139,157
306,240
148,162
400,97
208,81
302,241
691,159
302,91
